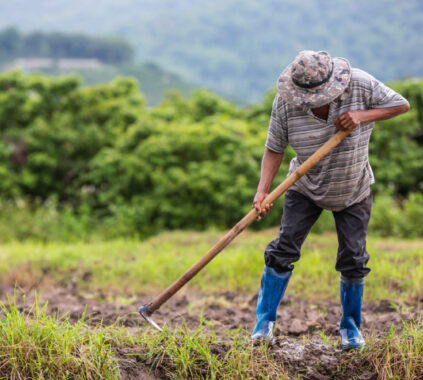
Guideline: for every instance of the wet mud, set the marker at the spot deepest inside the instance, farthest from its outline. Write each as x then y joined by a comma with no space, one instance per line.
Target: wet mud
299,344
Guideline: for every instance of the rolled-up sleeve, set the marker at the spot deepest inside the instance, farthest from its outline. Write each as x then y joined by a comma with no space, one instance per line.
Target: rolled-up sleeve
383,97
277,137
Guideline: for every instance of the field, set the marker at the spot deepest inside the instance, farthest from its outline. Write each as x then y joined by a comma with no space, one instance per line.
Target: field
70,311
92,177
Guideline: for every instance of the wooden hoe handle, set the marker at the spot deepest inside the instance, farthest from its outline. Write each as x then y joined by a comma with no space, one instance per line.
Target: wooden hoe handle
246,221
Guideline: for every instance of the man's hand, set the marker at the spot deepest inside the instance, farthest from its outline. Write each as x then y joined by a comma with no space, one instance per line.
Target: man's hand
258,199
348,121
269,167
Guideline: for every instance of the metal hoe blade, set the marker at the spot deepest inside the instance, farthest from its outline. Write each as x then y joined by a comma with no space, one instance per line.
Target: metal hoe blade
145,313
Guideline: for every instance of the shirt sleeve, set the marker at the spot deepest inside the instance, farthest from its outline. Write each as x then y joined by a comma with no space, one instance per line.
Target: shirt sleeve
383,97
277,136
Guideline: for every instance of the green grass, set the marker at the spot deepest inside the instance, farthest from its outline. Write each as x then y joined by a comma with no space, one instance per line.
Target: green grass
38,346
399,355
129,267
185,353
35,345
189,354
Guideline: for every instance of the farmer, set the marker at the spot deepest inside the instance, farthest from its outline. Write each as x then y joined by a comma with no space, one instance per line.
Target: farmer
317,95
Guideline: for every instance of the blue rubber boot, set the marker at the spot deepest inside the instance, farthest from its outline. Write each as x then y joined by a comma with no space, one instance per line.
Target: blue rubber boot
272,288
351,300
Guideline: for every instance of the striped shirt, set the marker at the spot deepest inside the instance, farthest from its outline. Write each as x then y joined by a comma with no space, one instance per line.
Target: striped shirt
344,176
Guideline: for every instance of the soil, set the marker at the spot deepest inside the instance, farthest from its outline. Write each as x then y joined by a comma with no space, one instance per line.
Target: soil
299,345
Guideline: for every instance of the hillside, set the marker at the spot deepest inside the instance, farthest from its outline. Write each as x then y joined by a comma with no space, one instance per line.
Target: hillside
239,47
153,80
95,59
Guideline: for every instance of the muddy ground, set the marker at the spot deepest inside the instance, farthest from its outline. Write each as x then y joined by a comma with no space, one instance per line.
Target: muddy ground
299,345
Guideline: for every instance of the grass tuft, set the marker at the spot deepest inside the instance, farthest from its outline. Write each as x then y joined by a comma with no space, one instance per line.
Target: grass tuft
183,353
37,346
400,355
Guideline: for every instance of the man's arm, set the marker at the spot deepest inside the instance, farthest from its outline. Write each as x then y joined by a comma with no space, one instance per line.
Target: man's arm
269,167
349,120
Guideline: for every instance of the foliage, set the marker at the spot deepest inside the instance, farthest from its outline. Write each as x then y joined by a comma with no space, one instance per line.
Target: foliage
396,149
239,47
54,128
389,219
115,56
98,153
154,82
59,45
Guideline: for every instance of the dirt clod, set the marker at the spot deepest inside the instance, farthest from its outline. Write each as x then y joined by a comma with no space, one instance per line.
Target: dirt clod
298,333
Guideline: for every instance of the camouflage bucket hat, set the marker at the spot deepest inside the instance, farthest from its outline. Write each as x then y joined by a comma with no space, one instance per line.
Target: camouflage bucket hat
314,79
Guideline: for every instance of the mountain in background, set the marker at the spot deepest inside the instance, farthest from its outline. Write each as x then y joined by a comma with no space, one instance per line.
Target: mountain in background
239,47
96,59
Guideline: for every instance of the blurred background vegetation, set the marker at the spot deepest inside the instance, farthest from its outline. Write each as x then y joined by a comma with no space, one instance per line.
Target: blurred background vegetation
97,154
238,48
83,162
95,59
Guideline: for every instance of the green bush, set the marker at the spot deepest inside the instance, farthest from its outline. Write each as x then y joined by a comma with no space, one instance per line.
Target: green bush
391,218
413,210
50,221
79,156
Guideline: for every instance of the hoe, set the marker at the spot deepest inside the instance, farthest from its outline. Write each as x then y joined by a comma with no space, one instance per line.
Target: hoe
147,310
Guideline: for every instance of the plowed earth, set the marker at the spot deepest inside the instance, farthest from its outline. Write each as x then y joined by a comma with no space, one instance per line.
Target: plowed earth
299,345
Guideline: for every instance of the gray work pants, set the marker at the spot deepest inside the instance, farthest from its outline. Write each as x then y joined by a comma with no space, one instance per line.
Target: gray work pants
299,215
